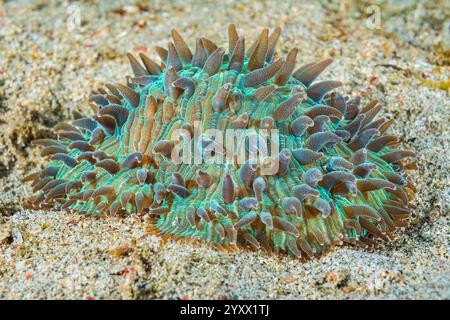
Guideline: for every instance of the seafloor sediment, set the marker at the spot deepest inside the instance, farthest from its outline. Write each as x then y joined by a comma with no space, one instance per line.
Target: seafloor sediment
49,63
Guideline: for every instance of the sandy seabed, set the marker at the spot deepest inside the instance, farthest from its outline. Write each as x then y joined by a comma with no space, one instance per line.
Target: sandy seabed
49,64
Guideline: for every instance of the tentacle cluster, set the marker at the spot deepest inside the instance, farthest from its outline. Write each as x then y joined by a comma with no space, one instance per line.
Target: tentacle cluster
341,176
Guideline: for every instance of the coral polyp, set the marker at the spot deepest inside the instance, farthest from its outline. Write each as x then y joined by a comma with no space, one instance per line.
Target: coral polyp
339,177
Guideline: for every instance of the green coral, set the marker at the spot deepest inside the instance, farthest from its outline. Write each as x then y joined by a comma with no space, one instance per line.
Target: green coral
339,176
